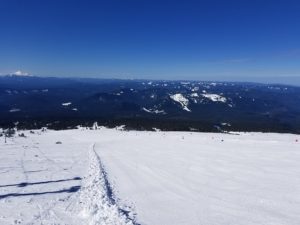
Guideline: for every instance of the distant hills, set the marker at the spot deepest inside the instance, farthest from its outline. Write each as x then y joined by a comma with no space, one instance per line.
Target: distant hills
60,103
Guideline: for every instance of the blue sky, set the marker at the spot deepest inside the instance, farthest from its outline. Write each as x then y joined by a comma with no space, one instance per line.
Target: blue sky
255,40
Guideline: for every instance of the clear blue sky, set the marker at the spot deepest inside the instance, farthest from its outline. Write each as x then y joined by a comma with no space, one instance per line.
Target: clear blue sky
203,40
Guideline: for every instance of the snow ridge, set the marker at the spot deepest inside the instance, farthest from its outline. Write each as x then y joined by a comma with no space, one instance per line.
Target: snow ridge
97,199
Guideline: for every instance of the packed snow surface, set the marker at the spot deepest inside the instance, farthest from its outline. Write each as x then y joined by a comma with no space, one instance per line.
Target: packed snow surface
109,176
184,102
215,97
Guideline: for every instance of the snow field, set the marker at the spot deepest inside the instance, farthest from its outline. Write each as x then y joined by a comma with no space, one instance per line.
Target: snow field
109,176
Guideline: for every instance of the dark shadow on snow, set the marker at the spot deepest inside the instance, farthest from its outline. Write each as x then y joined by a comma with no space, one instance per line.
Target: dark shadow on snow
69,190
24,184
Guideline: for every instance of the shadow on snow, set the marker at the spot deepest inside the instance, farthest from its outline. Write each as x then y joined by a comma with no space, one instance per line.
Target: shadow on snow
24,184
69,190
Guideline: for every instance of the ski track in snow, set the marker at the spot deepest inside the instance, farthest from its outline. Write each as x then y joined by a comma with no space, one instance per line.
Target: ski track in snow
97,199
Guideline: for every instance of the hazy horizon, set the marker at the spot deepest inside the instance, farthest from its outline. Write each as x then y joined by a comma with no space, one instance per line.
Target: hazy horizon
293,81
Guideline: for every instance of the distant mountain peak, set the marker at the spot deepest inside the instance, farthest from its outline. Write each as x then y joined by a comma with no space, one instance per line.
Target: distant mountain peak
20,73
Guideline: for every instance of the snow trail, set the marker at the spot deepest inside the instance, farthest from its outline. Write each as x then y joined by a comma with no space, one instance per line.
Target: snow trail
96,197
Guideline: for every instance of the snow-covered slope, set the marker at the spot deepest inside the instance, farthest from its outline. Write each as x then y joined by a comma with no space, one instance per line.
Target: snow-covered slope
215,97
109,176
184,102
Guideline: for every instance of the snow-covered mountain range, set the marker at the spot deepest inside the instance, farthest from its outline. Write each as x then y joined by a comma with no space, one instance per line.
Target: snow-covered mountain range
142,104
